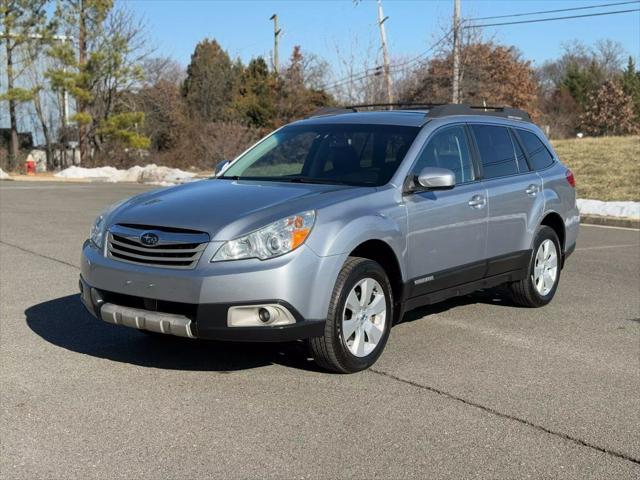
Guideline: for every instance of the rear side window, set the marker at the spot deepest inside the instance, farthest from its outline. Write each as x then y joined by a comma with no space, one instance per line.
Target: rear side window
496,150
538,154
448,148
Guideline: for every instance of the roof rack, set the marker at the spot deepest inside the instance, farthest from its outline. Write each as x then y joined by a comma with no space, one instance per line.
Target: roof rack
431,110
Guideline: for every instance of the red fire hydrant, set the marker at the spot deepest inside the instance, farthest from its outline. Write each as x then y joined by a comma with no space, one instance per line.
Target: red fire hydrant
30,165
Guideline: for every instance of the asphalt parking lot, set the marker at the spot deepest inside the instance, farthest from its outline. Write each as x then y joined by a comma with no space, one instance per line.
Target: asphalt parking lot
470,388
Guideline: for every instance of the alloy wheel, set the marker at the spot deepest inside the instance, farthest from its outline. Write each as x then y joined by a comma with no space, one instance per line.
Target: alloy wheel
545,269
364,317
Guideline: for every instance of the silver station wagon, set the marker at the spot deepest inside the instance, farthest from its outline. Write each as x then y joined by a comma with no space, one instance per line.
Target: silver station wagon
331,227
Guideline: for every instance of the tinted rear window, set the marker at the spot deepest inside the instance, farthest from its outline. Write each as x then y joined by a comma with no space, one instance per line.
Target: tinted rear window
538,154
496,150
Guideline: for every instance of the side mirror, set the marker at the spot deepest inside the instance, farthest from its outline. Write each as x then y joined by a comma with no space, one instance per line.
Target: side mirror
432,178
220,166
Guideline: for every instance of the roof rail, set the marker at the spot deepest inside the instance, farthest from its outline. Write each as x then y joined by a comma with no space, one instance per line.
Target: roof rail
330,111
461,109
396,105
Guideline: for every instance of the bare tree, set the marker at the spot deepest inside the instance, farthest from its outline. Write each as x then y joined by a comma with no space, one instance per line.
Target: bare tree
359,78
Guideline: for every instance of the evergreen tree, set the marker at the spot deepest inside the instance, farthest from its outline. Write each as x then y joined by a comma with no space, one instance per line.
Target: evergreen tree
99,73
631,85
255,100
581,82
209,86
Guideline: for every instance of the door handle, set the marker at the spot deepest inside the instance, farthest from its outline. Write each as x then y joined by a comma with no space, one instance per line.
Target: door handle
477,201
532,190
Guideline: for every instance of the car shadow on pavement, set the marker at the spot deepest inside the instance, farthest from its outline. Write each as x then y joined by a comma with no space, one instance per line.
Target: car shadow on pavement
64,322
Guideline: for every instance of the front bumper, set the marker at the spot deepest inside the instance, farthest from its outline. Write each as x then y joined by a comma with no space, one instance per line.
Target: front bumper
195,303
206,321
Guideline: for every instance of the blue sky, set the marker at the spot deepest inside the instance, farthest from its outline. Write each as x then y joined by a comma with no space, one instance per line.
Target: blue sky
243,27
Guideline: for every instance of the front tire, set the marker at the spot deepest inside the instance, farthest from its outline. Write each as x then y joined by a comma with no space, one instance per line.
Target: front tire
359,320
543,274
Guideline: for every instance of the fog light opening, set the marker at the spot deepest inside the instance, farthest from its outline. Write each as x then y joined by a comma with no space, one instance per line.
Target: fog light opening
264,315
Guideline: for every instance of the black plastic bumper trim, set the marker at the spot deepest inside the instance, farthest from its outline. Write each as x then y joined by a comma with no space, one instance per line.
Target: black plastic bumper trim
210,320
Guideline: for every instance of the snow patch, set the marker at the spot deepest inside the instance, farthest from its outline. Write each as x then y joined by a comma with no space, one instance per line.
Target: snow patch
4,175
148,174
609,209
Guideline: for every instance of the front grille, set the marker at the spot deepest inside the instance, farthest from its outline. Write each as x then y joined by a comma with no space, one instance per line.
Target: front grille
174,248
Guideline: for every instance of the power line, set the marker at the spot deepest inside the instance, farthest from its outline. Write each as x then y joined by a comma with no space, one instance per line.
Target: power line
553,11
377,70
422,55
553,18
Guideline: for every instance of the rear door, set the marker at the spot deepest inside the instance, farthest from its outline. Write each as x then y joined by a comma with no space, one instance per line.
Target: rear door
446,228
512,190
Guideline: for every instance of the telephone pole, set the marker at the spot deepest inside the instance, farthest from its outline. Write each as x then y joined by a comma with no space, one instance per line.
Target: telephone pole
385,52
456,52
276,38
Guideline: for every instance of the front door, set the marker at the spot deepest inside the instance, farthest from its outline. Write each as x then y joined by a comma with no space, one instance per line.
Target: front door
447,229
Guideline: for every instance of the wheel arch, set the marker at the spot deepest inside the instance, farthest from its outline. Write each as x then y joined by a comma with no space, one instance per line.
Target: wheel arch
381,252
554,221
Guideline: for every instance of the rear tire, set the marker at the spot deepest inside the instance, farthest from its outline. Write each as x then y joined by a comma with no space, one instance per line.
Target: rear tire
361,310
543,274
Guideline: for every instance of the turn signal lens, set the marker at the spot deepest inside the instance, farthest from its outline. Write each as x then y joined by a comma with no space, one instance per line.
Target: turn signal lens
298,237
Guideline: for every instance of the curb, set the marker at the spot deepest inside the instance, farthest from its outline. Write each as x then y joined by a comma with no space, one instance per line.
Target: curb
610,221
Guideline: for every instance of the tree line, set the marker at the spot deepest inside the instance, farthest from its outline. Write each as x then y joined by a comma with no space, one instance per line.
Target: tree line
82,74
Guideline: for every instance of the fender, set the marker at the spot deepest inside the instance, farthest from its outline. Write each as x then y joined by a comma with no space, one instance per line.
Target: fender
341,239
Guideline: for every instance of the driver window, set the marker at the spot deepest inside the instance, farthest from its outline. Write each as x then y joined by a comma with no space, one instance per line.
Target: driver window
448,149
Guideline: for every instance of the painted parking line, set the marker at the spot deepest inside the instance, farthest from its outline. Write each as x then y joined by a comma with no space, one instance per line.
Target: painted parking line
609,226
602,247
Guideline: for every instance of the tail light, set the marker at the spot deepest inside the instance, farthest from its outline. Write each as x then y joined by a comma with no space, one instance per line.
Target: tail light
570,178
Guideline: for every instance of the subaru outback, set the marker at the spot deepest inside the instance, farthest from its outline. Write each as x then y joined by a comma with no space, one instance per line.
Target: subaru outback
331,227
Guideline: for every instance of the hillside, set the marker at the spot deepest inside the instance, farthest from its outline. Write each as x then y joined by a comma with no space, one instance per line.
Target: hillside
606,168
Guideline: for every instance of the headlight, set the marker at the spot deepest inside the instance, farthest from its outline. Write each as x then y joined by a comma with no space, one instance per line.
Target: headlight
96,235
274,240
99,227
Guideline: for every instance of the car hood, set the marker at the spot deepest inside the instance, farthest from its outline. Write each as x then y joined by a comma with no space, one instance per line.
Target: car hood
224,208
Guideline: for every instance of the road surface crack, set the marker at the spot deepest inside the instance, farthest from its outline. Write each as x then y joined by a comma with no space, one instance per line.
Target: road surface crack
522,421
39,254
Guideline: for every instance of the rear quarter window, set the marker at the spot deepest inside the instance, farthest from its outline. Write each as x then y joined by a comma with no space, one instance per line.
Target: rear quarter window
539,155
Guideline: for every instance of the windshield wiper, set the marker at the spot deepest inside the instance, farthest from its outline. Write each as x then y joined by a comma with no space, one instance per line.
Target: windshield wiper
292,179
323,181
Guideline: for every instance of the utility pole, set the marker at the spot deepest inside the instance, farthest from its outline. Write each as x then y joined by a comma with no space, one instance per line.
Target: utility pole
456,52
276,38
385,52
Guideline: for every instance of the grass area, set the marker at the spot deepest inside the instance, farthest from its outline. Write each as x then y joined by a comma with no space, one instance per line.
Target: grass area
606,168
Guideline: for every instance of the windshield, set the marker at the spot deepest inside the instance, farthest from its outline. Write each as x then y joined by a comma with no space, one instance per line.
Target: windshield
331,153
